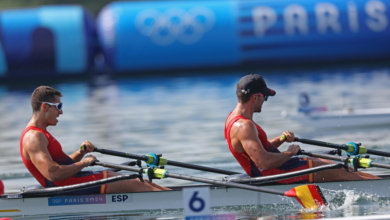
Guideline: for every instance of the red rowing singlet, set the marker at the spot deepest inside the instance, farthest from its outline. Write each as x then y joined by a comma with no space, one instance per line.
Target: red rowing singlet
293,164
243,158
55,151
59,157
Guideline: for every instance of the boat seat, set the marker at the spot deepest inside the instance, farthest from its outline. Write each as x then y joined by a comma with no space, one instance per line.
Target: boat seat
235,176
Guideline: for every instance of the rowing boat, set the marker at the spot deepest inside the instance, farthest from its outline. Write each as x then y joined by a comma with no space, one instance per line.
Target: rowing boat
235,190
141,202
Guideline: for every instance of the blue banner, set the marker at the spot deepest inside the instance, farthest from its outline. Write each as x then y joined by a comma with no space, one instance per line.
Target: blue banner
186,34
317,30
166,35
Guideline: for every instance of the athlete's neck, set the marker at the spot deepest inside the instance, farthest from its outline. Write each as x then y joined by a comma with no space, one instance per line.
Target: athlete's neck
36,121
244,110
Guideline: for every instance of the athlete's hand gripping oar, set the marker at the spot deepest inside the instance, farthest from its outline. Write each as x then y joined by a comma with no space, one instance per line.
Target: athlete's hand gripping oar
351,148
309,196
157,160
357,162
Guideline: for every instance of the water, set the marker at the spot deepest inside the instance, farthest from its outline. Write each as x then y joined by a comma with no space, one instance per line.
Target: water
183,116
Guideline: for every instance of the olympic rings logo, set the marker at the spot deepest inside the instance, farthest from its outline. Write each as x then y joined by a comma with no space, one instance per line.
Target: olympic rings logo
56,201
185,26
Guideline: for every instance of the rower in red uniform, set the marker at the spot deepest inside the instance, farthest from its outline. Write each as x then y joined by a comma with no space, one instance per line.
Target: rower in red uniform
258,155
43,156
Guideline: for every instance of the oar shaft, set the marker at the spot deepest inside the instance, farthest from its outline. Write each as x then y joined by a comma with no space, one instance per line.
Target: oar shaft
117,166
197,179
121,154
202,168
272,178
339,146
324,156
169,162
342,159
381,165
379,153
323,144
230,184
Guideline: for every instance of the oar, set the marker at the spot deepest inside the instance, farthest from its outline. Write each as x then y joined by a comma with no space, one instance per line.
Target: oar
309,196
160,161
277,177
357,162
351,148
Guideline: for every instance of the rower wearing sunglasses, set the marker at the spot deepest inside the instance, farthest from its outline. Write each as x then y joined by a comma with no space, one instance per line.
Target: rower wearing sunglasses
43,156
258,155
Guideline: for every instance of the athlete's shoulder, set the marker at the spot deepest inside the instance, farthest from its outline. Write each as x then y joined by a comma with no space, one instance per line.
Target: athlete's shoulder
33,131
34,138
243,125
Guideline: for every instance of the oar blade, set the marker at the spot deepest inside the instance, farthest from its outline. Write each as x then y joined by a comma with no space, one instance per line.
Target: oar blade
310,196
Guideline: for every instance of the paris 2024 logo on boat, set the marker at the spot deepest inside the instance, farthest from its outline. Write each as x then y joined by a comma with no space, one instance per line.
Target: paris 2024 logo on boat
175,24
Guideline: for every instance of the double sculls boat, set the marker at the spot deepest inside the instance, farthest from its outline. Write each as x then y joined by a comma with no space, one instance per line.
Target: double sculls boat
236,190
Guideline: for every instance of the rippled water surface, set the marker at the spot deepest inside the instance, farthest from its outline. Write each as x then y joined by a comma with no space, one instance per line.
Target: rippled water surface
183,116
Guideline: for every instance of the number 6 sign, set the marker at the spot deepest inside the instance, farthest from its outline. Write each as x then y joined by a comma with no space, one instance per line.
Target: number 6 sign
196,201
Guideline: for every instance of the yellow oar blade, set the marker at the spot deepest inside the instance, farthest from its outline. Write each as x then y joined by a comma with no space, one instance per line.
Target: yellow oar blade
310,196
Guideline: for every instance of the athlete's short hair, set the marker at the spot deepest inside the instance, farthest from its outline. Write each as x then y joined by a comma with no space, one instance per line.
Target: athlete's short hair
43,94
242,97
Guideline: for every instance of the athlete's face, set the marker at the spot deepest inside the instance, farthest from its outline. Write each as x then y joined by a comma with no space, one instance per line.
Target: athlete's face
52,112
259,100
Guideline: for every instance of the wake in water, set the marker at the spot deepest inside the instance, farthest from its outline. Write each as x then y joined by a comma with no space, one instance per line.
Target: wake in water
341,199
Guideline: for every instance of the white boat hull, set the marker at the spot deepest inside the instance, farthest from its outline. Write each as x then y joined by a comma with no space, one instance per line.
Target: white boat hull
165,200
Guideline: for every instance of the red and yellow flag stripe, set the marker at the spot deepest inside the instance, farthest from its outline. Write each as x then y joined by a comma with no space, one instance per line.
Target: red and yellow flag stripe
308,195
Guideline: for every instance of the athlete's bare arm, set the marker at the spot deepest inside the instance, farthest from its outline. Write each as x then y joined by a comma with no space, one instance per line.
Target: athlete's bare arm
244,137
35,149
288,137
78,155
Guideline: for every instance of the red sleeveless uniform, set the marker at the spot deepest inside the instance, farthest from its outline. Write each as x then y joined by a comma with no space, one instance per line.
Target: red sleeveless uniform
293,164
59,157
